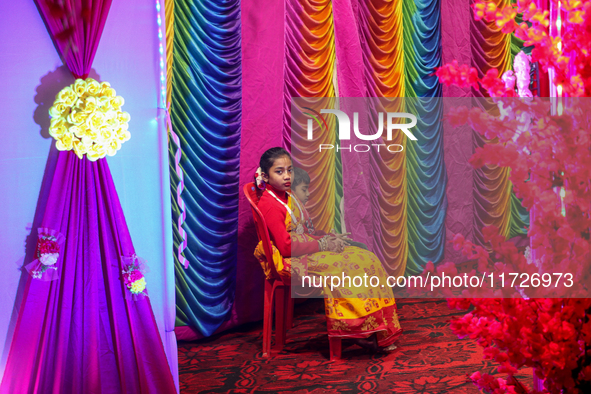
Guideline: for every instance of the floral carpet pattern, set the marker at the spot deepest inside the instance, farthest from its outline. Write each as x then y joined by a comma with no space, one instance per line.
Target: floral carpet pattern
429,359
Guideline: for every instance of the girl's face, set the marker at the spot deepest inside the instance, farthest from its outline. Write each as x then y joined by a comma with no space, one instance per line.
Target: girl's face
302,193
279,175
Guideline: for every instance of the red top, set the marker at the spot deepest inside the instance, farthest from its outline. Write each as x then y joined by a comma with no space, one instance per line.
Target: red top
274,213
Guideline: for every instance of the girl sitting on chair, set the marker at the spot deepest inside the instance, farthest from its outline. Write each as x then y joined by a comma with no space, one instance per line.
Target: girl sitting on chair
367,315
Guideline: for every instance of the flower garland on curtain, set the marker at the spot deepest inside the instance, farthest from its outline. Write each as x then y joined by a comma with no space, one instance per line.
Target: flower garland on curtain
86,117
205,93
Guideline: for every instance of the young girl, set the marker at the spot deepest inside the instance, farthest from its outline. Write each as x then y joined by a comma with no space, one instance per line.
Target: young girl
366,314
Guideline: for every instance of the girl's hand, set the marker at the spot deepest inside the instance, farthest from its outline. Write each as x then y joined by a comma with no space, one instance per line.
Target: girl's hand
344,237
335,244
342,243
331,244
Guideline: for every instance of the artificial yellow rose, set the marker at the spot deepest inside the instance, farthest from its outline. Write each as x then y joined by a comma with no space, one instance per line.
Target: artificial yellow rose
66,96
108,93
77,131
77,104
90,133
96,152
95,120
106,134
57,127
76,117
123,117
80,87
113,147
104,87
57,110
79,148
87,141
104,104
117,102
64,142
82,129
88,105
93,87
113,124
123,135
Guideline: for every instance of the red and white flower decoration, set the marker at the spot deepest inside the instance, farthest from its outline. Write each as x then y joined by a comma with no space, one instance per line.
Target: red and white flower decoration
49,245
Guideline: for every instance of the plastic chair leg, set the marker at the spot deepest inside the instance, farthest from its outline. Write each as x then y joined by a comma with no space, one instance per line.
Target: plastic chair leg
335,348
268,319
280,311
290,310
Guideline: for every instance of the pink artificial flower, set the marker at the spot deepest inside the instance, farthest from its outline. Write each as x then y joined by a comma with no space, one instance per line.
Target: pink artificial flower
132,277
458,241
458,116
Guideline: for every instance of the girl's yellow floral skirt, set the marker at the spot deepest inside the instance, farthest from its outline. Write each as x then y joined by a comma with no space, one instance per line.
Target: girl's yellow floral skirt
351,312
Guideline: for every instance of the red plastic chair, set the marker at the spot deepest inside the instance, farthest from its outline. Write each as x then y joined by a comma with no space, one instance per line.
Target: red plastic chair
276,292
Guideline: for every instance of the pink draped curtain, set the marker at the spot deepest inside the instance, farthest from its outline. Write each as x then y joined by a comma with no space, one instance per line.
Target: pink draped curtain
76,27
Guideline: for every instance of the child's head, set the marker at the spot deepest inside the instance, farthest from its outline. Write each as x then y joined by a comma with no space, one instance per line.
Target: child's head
276,168
300,184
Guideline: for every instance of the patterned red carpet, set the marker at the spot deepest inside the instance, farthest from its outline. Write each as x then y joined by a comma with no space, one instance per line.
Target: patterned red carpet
429,358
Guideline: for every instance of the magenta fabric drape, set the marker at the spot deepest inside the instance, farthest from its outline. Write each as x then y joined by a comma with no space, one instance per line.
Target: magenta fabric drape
79,334
456,17
82,21
82,333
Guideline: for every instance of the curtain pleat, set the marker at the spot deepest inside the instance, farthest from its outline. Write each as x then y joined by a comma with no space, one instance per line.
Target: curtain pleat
309,72
382,42
206,114
426,174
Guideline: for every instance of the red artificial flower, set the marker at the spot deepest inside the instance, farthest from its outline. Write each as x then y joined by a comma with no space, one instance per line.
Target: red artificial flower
47,245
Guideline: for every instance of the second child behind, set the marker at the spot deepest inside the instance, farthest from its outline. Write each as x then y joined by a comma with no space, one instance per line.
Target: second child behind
300,188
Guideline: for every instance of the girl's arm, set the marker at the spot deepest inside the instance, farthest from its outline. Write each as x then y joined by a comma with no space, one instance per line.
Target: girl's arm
288,247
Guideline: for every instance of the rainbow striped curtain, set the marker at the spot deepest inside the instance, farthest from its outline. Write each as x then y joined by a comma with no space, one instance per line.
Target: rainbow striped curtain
204,73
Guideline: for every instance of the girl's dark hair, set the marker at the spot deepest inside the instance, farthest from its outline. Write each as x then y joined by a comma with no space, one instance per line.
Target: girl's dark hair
269,157
300,176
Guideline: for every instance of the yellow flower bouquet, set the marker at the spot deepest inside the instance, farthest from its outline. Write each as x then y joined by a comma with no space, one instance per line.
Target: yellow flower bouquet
86,117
